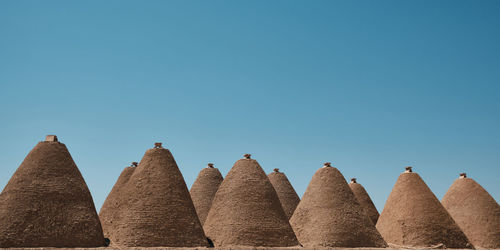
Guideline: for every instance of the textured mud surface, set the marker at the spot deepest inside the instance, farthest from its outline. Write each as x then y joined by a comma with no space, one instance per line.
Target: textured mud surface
47,203
475,212
157,208
246,210
112,204
413,216
365,201
287,195
203,191
223,248
329,215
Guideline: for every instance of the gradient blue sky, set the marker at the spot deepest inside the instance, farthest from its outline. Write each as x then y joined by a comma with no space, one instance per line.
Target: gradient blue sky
371,86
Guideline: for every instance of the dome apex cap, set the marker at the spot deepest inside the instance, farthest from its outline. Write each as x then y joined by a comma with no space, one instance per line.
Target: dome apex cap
51,138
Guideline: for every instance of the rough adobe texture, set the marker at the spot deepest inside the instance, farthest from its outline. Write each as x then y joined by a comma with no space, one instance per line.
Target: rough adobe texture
112,204
475,212
225,248
287,195
329,215
365,201
157,209
246,210
413,216
203,191
47,203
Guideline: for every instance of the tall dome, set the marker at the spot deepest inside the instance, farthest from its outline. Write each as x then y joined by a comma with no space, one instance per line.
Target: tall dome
246,210
47,203
287,195
157,208
329,215
365,200
112,204
475,212
413,216
203,190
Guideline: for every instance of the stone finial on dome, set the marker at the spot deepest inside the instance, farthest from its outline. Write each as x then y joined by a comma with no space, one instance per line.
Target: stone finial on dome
51,138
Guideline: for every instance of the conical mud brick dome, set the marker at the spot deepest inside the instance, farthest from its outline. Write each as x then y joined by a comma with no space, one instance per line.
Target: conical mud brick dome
112,203
287,195
329,215
475,211
203,190
47,203
156,209
413,216
246,210
364,199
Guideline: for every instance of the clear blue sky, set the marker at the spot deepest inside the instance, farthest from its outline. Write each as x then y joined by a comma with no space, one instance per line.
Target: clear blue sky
372,86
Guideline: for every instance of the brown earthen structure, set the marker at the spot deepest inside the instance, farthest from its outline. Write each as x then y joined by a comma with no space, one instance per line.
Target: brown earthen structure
414,217
203,190
47,203
475,212
329,215
156,208
287,195
246,210
112,205
365,200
